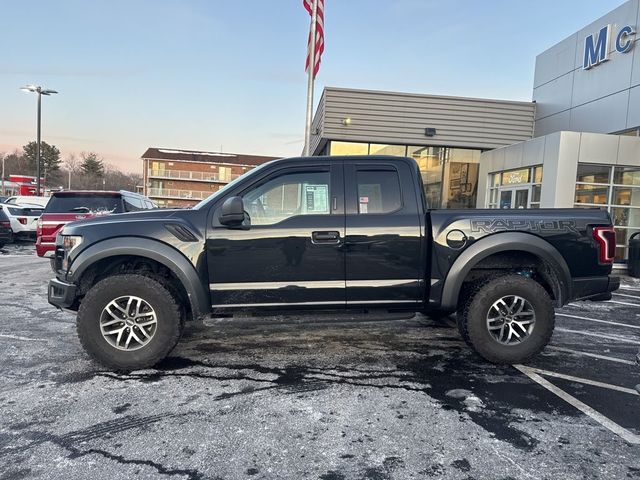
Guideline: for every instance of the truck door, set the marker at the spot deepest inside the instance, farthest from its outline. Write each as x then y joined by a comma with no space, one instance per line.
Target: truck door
292,254
384,241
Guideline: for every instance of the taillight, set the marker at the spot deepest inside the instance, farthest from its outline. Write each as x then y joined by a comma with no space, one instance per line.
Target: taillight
606,238
5,224
22,220
39,228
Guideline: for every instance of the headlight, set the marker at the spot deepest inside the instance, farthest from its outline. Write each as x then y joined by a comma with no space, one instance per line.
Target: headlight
70,242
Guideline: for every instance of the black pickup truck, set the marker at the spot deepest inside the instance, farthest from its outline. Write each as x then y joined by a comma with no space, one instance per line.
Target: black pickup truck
328,233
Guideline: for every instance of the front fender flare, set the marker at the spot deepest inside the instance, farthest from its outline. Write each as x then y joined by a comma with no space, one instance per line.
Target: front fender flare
160,252
503,242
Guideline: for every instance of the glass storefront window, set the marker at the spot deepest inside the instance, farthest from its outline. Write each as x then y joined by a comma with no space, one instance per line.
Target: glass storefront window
430,161
595,194
626,196
535,193
516,176
460,177
537,175
378,149
625,217
519,188
495,180
626,176
348,148
624,203
590,173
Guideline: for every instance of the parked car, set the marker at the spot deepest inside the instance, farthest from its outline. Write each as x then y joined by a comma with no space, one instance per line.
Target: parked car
328,233
30,201
23,219
6,234
74,205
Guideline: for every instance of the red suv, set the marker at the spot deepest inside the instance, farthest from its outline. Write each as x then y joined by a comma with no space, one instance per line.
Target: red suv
71,206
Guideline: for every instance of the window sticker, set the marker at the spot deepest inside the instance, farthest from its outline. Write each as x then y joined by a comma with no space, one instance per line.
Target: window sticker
317,199
363,204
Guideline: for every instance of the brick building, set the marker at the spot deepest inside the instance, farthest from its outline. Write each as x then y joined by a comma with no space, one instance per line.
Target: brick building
181,178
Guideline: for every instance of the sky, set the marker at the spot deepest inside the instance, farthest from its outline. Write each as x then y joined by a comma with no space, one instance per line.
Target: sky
228,75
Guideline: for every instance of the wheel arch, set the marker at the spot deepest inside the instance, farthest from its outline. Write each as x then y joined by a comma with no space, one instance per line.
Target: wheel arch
161,253
502,243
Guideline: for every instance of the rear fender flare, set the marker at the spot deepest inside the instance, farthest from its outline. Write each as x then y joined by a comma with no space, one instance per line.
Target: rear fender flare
160,252
503,242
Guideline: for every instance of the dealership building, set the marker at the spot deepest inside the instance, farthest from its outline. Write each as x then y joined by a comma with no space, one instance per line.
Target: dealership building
577,144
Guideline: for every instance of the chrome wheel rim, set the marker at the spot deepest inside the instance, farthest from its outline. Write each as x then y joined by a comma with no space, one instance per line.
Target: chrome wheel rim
128,323
511,319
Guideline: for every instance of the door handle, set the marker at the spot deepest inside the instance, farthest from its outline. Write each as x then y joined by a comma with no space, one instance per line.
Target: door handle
325,237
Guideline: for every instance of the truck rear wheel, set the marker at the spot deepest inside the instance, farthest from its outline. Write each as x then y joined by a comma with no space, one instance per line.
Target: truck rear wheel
128,322
507,320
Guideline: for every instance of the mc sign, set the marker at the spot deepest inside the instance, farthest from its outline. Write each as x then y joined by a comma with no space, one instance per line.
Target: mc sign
597,46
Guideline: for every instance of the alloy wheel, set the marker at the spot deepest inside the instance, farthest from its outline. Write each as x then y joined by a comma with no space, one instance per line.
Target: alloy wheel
128,323
511,319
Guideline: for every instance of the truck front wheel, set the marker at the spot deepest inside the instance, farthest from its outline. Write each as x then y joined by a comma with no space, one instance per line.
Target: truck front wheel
508,319
128,322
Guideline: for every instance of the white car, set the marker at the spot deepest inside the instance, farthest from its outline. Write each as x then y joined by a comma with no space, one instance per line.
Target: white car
28,200
23,218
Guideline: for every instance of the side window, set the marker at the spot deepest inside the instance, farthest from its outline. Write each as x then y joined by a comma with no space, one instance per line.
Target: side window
378,191
288,195
131,204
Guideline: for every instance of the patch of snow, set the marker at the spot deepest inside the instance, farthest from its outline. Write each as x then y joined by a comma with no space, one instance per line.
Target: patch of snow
471,401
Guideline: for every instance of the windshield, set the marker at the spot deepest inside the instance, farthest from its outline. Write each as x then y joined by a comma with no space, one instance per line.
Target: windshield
222,192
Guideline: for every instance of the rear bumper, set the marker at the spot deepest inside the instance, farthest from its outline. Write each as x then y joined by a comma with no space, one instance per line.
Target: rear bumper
594,288
61,294
45,249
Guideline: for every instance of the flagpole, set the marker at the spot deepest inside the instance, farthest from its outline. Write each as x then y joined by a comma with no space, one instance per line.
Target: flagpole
310,70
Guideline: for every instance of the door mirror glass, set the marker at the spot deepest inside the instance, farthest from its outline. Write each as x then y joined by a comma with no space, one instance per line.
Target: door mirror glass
232,211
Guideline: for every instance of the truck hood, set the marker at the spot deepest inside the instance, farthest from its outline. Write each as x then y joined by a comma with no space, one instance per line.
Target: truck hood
133,223
129,217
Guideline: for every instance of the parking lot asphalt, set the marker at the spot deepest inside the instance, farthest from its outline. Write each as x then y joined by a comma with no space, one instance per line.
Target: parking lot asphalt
329,398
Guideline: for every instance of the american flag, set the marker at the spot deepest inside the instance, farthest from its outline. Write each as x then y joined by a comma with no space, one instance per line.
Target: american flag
308,5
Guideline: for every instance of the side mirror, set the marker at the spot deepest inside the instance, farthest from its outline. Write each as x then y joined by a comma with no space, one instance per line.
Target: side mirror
232,211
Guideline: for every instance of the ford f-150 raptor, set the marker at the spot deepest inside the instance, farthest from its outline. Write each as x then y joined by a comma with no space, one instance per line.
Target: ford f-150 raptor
328,233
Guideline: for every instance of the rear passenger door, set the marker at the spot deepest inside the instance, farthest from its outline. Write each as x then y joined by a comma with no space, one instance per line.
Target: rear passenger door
383,235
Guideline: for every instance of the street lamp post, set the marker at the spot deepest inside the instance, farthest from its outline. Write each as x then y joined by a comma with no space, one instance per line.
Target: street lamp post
40,91
4,157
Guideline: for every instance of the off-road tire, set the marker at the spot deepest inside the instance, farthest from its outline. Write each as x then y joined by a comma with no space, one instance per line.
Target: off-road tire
168,329
467,293
473,319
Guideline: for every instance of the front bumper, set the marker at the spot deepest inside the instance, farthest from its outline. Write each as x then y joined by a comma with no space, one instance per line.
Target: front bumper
594,288
61,294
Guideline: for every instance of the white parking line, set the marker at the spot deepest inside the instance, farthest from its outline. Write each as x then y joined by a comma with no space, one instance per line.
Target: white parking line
618,324
593,355
584,408
600,335
26,339
630,289
623,303
586,381
628,296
